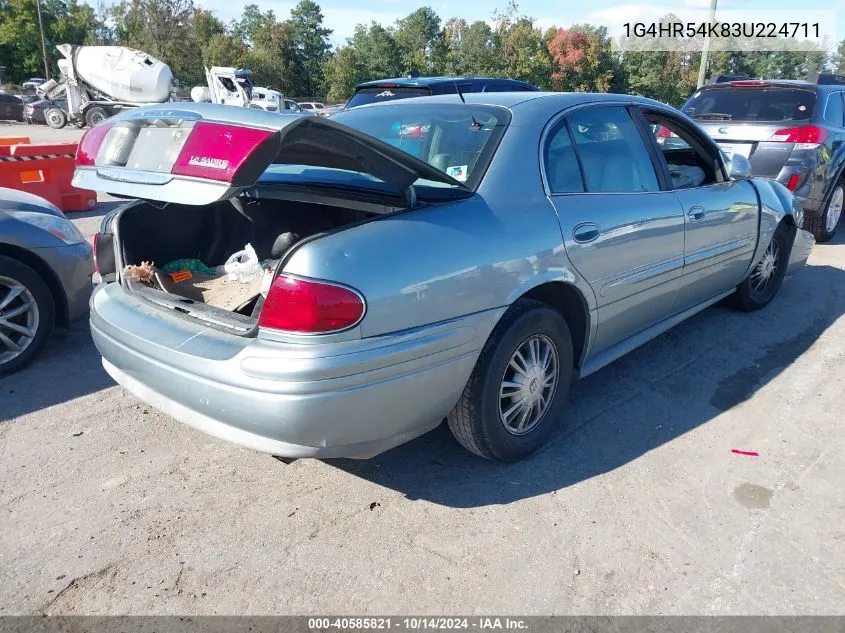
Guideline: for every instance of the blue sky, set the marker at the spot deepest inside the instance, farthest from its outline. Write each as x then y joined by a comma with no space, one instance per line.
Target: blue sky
343,15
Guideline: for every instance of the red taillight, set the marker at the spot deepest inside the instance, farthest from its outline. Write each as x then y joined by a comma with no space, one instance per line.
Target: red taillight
792,184
310,307
806,134
86,152
96,259
749,82
216,151
664,132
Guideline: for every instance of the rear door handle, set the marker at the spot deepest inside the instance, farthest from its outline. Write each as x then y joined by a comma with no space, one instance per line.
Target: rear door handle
696,214
586,232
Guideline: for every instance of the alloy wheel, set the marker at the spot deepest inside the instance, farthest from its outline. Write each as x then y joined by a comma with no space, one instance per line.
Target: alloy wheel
528,384
19,318
834,209
766,271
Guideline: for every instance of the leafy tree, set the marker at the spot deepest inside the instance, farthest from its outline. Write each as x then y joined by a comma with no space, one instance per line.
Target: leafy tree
20,40
378,54
274,60
839,59
343,73
416,34
164,29
312,42
522,52
223,49
583,60
472,49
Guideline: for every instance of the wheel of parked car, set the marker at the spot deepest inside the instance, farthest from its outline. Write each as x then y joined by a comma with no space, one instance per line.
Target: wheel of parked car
26,314
517,391
761,286
95,116
55,118
823,226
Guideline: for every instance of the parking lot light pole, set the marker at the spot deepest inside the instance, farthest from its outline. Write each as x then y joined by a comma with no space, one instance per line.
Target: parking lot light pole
43,43
705,51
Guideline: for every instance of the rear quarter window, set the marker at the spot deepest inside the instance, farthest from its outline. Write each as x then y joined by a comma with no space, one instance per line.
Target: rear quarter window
752,104
833,111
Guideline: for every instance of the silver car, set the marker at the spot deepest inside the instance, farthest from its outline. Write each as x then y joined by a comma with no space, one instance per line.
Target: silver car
422,259
45,275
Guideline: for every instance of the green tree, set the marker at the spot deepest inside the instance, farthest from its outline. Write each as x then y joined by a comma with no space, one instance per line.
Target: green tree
20,41
163,29
839,59
343,73
312,42
274,61
472,49
377,53
253,23
523,54
416,35
223,49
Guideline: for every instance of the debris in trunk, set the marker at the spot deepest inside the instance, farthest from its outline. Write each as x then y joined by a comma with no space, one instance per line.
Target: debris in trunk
243,266
142,273
194,266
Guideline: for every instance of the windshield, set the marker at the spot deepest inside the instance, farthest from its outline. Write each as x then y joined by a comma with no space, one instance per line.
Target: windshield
380,94
458,140
751,104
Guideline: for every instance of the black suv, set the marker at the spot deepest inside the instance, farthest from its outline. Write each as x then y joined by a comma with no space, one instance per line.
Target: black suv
792,131
402,88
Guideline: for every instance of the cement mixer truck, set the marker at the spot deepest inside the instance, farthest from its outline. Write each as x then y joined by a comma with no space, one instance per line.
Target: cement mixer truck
98,81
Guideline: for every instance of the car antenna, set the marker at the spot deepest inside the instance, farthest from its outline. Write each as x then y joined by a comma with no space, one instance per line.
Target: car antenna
475,124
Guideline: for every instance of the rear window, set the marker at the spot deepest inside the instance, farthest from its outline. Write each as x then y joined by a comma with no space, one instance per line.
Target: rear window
458,140
379,94
751,104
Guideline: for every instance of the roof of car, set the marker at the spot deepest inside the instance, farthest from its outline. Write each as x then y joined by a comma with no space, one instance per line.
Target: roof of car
512,99
430,81
777,83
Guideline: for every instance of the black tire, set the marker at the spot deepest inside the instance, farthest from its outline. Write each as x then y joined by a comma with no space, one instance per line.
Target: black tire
816,223
749,297
12,269
476,421
95,116
55,118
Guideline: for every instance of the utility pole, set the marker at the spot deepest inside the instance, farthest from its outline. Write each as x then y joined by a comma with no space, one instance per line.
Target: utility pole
43,42
705,51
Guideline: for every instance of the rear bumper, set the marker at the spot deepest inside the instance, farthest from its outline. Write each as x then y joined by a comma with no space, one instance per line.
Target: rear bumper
801,249
351,399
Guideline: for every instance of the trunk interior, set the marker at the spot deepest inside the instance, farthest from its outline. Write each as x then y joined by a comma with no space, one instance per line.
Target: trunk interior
211,235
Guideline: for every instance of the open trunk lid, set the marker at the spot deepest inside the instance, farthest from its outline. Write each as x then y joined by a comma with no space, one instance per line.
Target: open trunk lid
204,153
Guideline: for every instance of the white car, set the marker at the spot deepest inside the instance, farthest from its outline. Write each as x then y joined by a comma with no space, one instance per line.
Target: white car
293,106
314,107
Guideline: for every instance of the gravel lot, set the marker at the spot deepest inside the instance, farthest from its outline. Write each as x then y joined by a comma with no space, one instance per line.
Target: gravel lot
637,507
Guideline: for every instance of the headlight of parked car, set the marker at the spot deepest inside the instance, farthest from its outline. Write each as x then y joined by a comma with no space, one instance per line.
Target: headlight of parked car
62,228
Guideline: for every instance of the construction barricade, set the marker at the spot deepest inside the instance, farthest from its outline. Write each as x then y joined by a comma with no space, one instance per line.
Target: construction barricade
44,170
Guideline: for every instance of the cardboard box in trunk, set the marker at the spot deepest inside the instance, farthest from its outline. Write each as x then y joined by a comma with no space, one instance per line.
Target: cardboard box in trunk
216,291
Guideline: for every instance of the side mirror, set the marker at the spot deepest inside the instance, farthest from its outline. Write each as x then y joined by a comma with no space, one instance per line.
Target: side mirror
739,168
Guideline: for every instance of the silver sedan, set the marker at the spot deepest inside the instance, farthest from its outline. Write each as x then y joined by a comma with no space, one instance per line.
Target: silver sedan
45,275
413,261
